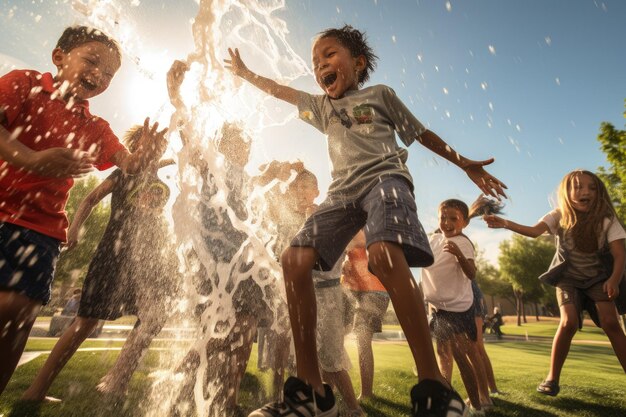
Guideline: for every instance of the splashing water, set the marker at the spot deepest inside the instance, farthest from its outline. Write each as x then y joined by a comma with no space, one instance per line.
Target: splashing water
212,96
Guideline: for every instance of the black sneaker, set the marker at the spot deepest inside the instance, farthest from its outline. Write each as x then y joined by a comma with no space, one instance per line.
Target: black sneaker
432,399
298,401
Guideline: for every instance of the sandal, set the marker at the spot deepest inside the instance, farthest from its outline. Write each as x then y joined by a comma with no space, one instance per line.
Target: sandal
548,387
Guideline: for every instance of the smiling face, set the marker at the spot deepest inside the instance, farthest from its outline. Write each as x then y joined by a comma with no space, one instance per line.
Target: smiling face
87,69
451,221
583,192
336,70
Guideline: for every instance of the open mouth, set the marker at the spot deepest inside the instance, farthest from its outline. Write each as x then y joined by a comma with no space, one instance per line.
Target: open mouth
87,85
329,79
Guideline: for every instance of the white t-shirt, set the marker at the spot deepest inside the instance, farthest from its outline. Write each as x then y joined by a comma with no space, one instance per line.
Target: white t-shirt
583,266
444,283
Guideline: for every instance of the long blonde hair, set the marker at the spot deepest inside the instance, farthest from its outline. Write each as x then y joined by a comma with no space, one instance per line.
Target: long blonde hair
583,225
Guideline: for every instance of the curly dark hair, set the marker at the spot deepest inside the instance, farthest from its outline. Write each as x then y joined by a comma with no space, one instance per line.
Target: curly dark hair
356,42
75,36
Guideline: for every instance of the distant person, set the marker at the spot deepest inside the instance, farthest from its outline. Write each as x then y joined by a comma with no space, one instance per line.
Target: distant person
589,260
370,300
496,322
71,307
133,272
371,186
36,175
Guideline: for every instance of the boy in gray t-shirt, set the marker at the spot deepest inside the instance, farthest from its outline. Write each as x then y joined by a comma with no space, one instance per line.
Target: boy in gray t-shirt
371,189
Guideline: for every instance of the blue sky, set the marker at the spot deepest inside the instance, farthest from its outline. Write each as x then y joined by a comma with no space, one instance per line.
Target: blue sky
527,82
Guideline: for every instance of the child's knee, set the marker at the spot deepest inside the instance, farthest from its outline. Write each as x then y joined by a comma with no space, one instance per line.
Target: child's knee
569,325
610,323
297,260
380,256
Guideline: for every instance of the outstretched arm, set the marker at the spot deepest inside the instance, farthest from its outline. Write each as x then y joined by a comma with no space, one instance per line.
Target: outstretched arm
236,65
84,210
497,222
487,183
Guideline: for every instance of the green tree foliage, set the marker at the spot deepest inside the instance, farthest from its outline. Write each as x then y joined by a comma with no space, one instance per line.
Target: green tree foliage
72,265
521,261
489,279
613,144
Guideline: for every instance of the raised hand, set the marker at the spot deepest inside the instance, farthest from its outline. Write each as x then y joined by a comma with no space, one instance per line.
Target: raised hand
175,77
235,64
487,183
62,163
152,143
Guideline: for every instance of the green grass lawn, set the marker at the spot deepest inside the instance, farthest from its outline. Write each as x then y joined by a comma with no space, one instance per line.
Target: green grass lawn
592,383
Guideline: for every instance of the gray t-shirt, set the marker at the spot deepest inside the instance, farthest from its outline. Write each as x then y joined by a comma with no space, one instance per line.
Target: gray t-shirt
361,129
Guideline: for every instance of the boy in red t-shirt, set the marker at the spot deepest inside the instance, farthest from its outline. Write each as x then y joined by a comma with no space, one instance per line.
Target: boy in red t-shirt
48,137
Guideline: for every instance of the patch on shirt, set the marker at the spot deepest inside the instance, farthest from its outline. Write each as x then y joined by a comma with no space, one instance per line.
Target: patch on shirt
363,114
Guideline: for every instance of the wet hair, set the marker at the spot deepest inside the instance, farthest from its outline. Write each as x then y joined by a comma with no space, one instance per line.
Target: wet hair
356,42
75,36
132,136
583,225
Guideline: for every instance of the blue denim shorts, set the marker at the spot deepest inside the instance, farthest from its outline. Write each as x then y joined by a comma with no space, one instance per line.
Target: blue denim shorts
387,213
27,261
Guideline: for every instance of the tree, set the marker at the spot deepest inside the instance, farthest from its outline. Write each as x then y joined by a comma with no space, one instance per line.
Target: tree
72,265
521,261
489,279
613,144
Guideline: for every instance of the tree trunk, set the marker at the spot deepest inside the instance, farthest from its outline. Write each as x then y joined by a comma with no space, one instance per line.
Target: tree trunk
524,309
536,311
518,306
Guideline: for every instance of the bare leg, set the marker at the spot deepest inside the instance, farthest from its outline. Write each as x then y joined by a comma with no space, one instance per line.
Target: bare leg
491,379
278,355
444,351
366,362
562,341
479,370
64,349
612,328
297,267
17,316
136,345
342,381
389,265
460,350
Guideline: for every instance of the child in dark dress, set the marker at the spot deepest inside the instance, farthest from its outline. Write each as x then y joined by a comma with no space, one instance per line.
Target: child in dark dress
132,272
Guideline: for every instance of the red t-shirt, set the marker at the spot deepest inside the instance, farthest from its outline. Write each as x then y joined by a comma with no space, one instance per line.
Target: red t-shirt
40,120
358,276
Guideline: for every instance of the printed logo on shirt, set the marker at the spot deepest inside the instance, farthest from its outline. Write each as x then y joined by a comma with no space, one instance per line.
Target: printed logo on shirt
363,114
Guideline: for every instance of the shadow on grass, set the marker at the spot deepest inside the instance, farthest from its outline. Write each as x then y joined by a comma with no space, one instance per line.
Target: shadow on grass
383,407
505,408
25,409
